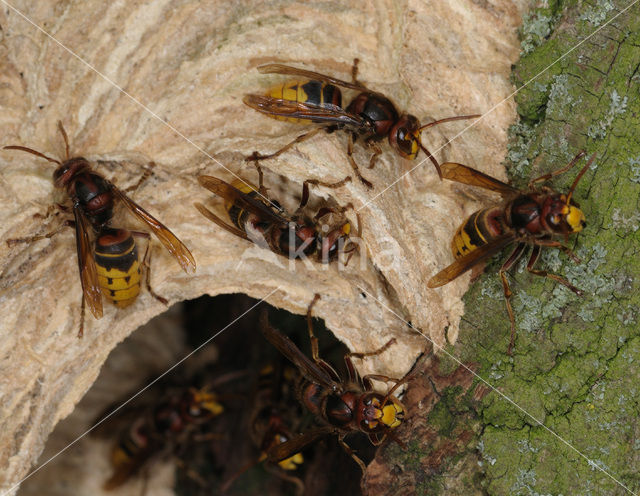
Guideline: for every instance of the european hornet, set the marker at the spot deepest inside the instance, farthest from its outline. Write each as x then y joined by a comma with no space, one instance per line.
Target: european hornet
274,414
110,267
370,115
260,220
341,406
159,429
531,217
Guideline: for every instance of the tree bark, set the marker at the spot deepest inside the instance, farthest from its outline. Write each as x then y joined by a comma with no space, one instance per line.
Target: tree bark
576,358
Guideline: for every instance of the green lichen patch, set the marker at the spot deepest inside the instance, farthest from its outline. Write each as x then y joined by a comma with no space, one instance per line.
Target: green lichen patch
576,361
538,24
439,436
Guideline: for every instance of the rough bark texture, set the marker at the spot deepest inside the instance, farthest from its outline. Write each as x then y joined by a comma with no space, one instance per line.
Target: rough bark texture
575,364
575,361
190,63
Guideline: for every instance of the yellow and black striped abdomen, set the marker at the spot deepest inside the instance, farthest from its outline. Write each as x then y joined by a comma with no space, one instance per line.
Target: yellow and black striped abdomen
314,93
128,447
118,267
480,228
237,215
130,453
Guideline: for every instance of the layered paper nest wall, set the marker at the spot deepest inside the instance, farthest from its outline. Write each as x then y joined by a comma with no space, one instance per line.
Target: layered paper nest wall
182,69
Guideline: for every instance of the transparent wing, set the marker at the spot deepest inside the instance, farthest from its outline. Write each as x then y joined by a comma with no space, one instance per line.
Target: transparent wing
466,175
289,448
87,265
217,220
308,368
166,237
295,71
465,263
241,200
326,114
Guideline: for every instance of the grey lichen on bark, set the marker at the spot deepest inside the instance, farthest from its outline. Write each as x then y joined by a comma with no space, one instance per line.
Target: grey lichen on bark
189,64
575,362
576,358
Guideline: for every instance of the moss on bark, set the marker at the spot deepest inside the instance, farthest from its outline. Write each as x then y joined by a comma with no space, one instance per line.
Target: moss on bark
576,360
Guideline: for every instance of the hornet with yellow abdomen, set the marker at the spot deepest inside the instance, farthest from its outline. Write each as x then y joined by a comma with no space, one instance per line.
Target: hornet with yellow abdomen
257,218
531,217
318,100
274,416
111,266
119,270
160,429
341,406
313,93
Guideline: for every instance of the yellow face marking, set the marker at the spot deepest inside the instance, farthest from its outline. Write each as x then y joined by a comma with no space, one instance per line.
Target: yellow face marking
390,415
346,229
376,403
414,146
575,218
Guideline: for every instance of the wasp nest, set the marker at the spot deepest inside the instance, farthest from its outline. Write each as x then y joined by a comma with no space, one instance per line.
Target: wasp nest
163,81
